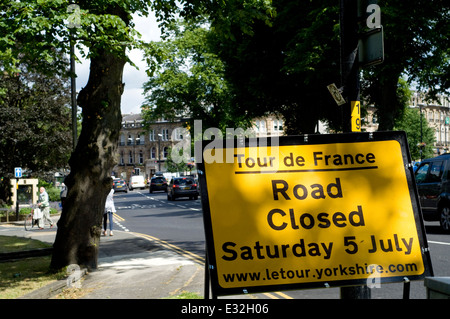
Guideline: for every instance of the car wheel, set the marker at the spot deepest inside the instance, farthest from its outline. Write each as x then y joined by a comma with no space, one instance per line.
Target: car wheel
444,218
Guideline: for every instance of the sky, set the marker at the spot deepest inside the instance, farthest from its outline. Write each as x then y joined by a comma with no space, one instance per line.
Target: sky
132,97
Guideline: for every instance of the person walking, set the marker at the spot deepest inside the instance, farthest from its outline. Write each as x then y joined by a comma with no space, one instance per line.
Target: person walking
44,205
63,194
108,214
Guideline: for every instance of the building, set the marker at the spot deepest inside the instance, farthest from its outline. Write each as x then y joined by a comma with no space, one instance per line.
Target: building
144,152
268,126
437,114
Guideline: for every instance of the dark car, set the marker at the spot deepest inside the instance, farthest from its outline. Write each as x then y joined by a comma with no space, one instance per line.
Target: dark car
433,185
119,185
182,187
158,183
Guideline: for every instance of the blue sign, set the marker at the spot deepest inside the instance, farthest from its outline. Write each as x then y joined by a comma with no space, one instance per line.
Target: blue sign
18,172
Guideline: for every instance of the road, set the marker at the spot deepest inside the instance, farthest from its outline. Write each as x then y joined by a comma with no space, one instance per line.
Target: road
179,223
179,226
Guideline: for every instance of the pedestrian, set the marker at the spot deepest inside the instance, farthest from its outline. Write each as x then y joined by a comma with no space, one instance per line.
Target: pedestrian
108,214
63,194
44,205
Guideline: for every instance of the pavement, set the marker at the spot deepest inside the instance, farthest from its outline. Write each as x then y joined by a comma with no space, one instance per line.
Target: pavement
131,266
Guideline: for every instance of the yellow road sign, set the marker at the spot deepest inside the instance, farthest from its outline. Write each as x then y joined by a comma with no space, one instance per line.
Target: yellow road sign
312,214
356,116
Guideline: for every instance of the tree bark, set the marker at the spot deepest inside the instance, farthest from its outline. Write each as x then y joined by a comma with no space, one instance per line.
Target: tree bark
89,182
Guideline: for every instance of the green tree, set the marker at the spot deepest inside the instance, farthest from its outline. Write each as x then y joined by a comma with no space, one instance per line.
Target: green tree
280,56
187,79
36,31
262,61
35,125
176,166
420,136
35,122
416,36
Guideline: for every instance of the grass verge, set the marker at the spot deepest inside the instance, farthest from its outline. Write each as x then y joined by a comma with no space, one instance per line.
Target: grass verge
186,295
19,277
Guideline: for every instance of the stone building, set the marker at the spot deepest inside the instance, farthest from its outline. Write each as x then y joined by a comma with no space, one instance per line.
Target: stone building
437,114
144,152
268,126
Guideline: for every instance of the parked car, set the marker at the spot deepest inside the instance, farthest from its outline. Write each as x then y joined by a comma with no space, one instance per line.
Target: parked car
433,185
182,187
158,183
136,181
119,185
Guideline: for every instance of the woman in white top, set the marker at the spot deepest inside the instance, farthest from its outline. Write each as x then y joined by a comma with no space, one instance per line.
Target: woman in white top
109,210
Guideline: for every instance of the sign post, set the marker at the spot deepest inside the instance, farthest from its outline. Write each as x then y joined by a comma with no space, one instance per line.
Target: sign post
317,211
17,175
356,52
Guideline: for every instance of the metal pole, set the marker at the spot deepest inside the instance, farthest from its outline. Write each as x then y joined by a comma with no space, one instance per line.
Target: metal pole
17,199
159,152
350,81
349,58
421,133
73,89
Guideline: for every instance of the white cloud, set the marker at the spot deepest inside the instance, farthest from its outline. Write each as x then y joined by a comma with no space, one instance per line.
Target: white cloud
133,78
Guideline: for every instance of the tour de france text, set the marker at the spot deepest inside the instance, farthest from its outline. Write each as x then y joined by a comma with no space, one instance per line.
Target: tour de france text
318,159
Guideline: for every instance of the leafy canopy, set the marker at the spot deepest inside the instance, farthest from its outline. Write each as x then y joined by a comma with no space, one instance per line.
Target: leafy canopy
38,30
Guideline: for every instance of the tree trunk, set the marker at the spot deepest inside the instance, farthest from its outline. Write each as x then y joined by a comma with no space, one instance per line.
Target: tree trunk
389,108
89,182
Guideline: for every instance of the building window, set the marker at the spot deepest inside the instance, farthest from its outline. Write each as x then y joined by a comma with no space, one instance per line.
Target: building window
278,125
141,157
153,153
165,134
151,136
122,140
140,140
130,140
130,158
260,126
122,161
165,152
178,132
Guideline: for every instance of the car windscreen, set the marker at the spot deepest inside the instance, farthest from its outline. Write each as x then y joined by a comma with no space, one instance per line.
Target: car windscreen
184,181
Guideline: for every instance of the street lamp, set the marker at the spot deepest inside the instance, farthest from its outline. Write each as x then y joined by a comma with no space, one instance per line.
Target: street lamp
73,20
159,152
421,132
